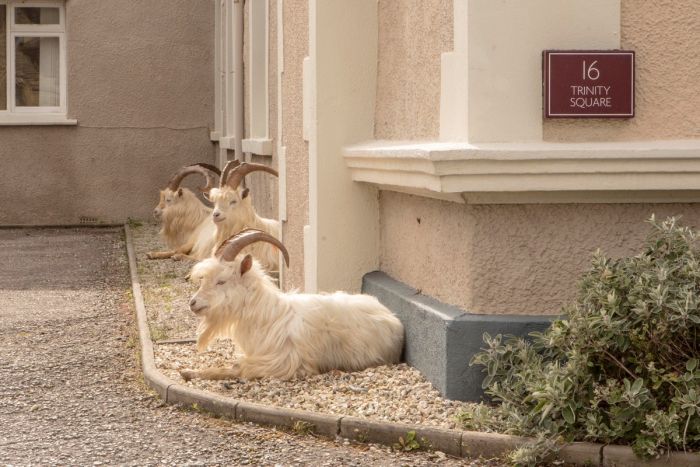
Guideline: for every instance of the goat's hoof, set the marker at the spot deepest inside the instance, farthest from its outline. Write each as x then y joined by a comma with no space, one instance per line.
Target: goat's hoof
188,375
177,257
150,255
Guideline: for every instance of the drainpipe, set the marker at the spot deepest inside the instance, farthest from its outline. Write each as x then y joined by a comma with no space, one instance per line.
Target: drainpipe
238,124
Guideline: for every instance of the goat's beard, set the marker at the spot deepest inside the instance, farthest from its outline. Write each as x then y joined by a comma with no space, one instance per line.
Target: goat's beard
212,326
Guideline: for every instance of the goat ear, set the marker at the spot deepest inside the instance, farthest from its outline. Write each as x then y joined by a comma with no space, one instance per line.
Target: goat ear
205,194
245,193
246,264
179,191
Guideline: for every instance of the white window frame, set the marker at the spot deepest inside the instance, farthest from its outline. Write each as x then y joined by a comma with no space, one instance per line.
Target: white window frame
258,141
23,115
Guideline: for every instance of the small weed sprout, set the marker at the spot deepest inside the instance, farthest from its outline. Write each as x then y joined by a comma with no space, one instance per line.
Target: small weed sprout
134,223
410,442
158,333
302,427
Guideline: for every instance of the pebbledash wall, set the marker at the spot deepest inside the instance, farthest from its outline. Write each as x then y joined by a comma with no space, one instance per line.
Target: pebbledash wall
139,86
483,211
526,258
415,163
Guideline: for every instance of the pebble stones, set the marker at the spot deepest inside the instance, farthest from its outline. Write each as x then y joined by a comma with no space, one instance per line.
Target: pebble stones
390,393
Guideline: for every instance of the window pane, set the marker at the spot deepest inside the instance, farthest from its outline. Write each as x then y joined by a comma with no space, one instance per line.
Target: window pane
37,71
37,15
3,58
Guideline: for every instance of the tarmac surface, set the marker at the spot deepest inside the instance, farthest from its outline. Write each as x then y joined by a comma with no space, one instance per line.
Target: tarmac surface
71,390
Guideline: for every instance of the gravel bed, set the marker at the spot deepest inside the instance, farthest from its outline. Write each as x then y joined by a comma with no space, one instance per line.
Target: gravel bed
390,393
71,390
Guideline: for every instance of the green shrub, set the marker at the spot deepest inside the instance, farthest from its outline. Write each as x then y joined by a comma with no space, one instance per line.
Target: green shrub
622,368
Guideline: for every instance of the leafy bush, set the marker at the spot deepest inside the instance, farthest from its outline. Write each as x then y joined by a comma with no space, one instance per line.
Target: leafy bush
622,368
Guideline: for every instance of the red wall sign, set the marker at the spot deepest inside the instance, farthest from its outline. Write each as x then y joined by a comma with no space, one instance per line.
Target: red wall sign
588,84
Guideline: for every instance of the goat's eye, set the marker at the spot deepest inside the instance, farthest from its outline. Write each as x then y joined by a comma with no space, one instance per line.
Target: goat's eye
233,202
168,200
220,282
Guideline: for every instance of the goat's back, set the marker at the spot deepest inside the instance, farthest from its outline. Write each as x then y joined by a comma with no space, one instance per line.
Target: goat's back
343,331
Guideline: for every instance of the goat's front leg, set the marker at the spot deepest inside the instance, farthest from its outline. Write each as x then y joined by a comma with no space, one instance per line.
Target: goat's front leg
183,251
161,254
212,373
181,256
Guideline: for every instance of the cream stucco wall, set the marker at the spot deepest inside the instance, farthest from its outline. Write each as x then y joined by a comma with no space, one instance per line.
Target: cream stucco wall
140,85
507,259
527,259
412,35
296,47
665,36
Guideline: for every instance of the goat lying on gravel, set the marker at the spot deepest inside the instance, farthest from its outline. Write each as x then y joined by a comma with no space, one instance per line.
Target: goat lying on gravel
187,228
234,211
285,335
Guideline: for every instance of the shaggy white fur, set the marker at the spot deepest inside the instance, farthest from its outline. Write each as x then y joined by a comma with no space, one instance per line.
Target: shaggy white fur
234,212
186,225
286,335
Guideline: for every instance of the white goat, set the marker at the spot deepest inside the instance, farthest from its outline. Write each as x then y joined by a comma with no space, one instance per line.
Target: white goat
285,335
234,211
187,228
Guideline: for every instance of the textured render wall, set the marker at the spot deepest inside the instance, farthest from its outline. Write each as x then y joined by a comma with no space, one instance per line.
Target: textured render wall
296,46
500,259
412,35
140,85
665,35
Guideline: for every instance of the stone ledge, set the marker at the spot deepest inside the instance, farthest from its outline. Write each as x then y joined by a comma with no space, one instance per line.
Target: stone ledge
441,339
320,423
470,444
179,394
623,456
625,172
439,439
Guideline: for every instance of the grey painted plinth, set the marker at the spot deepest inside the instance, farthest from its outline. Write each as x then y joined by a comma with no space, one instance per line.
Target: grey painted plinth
441,339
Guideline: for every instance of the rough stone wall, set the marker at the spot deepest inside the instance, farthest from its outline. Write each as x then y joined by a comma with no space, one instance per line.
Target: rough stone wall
140,85
412,35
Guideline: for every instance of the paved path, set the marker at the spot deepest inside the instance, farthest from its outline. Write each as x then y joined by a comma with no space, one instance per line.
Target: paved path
70,388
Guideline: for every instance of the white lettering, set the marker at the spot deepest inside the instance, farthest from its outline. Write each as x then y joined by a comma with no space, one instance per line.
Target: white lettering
588,102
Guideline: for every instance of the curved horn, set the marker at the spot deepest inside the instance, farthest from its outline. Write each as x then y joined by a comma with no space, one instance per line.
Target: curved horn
201,169
236,176
230,248
209,167
230,165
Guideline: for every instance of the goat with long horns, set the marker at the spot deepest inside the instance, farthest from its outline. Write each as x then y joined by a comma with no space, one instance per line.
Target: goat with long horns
186,224
285,335
234,211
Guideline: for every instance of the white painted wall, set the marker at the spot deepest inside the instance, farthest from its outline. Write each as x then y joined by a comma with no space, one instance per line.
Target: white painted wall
492,81
343,238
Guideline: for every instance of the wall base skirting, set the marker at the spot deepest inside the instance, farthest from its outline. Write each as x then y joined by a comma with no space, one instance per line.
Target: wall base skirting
441,339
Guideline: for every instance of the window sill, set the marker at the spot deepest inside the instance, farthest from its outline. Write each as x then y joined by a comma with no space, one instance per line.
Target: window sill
227,142
35,119
626,172
258,146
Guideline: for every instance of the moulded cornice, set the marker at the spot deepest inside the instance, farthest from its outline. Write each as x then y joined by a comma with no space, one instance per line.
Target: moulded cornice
652,171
